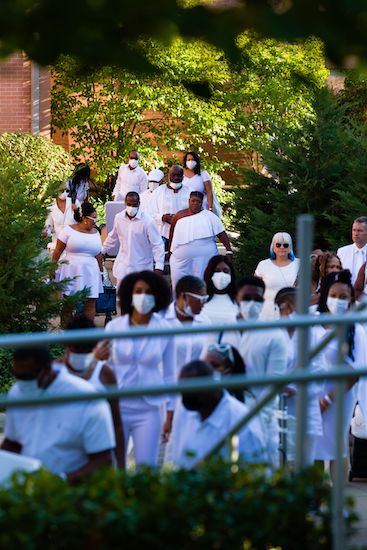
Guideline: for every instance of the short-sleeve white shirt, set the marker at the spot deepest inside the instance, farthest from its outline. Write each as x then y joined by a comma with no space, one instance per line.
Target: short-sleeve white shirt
61,436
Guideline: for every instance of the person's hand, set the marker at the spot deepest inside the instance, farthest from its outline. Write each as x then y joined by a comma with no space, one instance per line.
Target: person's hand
167,218
324,404
289,391
74,206
44,234
102,350
160,271
167,428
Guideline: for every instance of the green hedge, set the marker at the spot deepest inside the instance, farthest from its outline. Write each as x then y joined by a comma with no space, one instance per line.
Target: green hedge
218,506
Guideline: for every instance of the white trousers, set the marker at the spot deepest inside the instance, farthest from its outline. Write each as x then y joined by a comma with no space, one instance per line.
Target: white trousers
191,259
144,426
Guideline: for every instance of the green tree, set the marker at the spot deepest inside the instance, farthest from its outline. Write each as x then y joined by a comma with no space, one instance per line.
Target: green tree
319,169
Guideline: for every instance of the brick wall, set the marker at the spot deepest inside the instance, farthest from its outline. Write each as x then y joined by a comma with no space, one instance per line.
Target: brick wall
17,79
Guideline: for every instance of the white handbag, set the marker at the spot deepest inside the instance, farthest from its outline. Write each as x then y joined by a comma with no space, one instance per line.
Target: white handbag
358,424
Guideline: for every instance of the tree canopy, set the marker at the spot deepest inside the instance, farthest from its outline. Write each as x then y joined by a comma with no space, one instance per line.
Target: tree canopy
108,32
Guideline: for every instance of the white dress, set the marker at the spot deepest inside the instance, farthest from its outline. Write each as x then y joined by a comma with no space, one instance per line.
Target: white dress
81,251
196,183
325,444
275,278
57,220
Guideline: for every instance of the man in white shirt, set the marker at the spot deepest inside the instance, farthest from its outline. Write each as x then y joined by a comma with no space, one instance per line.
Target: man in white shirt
130,177
72,439
141,245
155,178
264,353
169,199
353,256
206,417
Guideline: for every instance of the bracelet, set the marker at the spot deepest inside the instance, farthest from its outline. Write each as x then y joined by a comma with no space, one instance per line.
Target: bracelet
328,400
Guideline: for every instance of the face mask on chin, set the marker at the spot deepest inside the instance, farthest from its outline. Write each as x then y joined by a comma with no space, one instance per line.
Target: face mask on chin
143,303
80,361
337,306
63,196
133,163
132,211
175,185
221,280
250,310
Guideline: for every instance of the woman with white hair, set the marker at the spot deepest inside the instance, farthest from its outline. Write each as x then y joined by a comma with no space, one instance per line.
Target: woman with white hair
278,271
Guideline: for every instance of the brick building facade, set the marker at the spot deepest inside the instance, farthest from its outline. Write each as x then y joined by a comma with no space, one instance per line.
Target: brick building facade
25,99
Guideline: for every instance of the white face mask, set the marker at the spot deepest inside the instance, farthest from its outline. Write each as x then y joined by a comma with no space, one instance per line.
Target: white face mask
250,310
152,185
63,195
143,303
175,185
133,163
337,306
221,280
132,211
29,387
80,361
191,164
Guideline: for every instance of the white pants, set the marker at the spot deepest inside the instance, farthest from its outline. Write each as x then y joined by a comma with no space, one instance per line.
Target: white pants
191,259
144,425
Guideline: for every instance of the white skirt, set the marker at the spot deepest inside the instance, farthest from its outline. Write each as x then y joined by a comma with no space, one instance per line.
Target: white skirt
84,272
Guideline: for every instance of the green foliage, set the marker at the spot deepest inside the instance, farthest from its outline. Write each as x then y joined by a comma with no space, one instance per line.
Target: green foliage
109,32
354,96
319,169
217,506
37,157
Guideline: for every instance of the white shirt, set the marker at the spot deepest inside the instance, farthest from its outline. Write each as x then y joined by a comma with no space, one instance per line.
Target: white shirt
264,352
143,361
202,225
140,244
221,309
129,180
61,436
352,258
193,438
189,346
57,220
81,190
166,201
146,202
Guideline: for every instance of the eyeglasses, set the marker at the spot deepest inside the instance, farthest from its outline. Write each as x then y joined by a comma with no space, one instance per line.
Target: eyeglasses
202,299
284,245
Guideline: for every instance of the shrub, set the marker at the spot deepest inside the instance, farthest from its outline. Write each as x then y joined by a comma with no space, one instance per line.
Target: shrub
217,506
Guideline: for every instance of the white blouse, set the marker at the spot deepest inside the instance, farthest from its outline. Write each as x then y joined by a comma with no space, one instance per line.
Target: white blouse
275,278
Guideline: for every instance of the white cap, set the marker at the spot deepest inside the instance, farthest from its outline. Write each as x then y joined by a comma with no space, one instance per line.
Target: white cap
155,175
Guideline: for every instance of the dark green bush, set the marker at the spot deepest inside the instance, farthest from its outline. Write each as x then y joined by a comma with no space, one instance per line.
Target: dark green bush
217,506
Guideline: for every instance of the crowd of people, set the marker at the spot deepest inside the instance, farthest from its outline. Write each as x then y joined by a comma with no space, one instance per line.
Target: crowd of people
180,220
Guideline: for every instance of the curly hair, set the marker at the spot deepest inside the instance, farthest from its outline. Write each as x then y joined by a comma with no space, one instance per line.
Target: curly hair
158,285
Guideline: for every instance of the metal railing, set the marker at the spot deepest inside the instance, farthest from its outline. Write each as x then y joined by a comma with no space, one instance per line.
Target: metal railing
300,376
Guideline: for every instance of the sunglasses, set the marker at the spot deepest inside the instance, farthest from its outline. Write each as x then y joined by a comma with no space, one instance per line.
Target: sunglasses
202,299
284,245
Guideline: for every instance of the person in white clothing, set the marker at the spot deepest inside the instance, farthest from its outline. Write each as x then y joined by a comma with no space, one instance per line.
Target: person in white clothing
83,262
169,199
285,301
264,353
206,417
196,179
353,256
336,297
190,299
144,361
88,361
141,246
222,306
279,271
60,214
70,439
130,177
78,185
155,178
192,239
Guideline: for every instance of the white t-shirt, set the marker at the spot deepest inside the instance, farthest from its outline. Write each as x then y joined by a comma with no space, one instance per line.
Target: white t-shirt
61,436
196,182
193,438
81,190
57,219
88,244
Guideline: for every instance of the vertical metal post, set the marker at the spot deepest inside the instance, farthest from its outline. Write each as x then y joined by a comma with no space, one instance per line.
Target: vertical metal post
338,523
35,76
304,246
